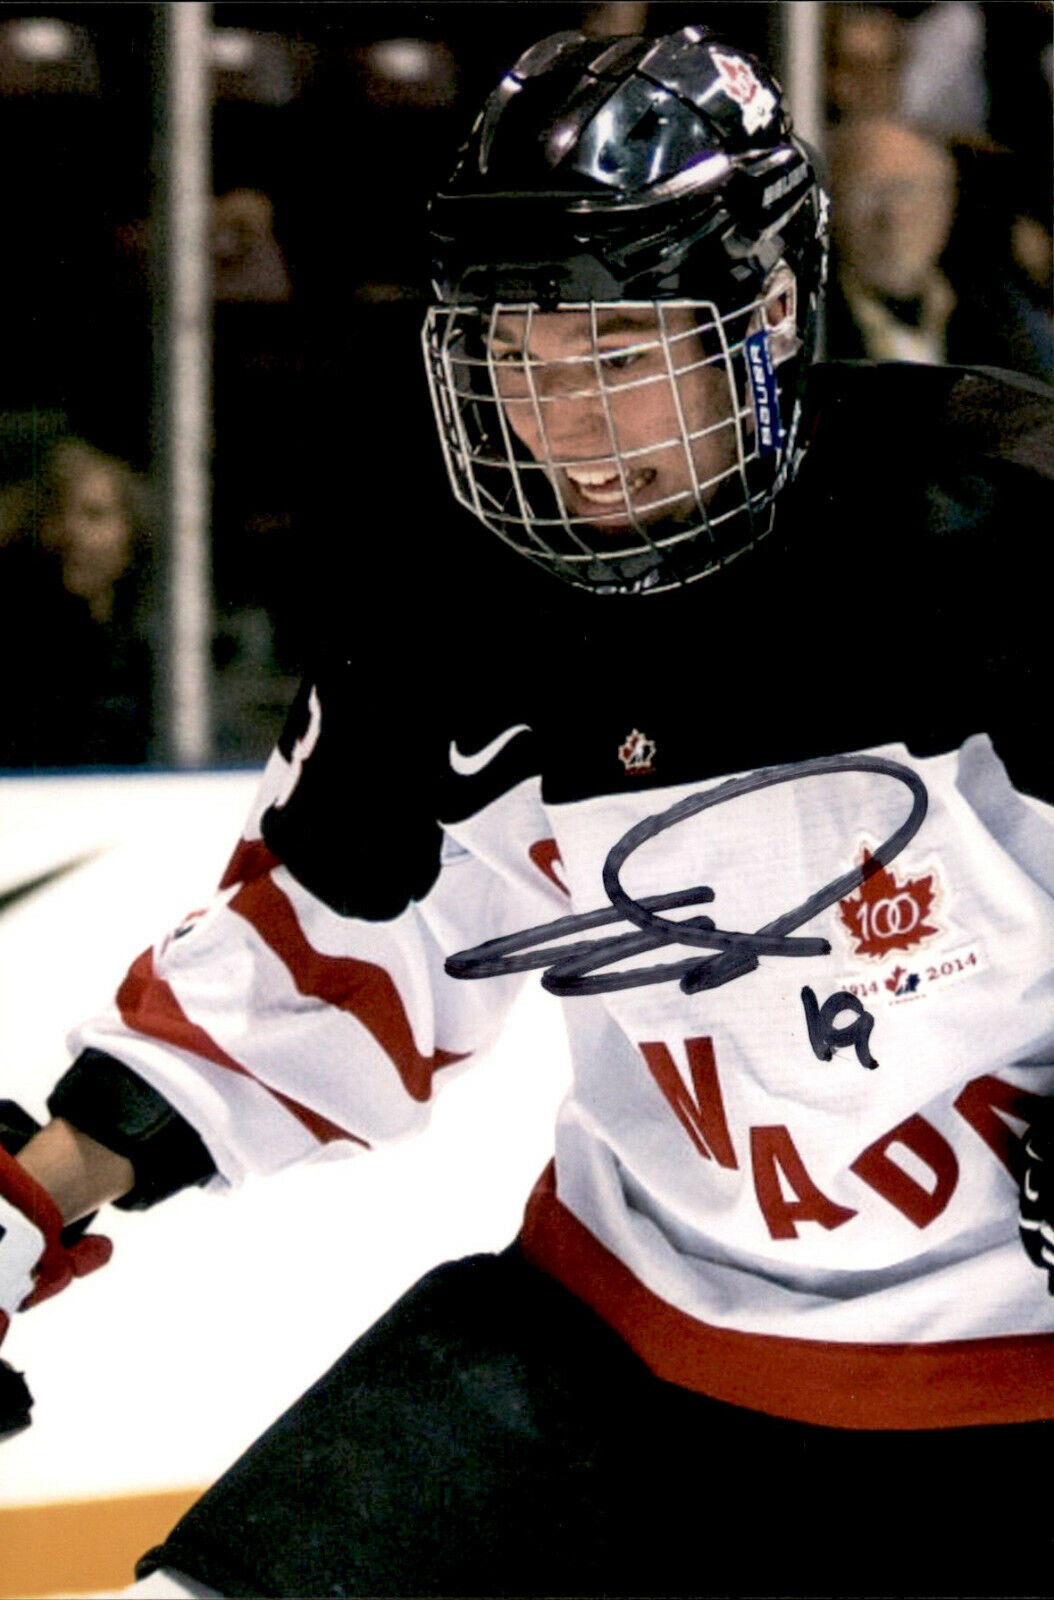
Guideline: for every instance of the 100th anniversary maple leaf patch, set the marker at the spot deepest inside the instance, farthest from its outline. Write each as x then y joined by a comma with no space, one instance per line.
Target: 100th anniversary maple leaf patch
887,914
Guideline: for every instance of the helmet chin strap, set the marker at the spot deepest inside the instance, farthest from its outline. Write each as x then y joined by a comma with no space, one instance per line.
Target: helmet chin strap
626,574
674,565
779,313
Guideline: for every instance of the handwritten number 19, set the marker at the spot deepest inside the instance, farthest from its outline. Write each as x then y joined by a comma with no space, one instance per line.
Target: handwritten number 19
826,1038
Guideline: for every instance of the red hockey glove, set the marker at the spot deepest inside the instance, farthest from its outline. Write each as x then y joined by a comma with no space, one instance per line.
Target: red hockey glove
1036,1220
35,1262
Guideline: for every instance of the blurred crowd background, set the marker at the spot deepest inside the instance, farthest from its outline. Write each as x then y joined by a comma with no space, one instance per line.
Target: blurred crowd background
330,125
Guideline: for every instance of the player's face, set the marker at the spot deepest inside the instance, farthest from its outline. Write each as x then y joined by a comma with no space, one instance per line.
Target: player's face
580,405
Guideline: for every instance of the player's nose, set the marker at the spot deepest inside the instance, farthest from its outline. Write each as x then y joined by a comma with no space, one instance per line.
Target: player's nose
576,419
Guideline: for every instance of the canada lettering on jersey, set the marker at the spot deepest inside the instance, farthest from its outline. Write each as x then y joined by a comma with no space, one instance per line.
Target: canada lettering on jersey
786,1192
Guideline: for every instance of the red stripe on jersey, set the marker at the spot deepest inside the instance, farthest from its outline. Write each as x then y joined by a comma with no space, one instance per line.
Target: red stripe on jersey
361,988
953,1384
251,859
148,1005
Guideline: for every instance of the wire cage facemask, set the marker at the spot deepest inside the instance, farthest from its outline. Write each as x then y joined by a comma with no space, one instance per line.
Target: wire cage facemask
626,445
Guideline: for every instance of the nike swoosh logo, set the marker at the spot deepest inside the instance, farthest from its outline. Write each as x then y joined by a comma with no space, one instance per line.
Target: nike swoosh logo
468,766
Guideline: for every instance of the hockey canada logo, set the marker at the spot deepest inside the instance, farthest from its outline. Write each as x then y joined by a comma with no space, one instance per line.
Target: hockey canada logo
742,84
637,753
886,915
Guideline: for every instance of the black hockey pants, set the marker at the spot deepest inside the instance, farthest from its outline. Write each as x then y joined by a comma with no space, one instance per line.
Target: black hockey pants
489,1436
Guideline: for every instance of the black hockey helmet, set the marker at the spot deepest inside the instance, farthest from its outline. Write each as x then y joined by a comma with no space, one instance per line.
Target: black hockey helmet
652,186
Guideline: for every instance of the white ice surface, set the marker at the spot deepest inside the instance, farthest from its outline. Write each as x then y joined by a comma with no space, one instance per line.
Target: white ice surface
215,1313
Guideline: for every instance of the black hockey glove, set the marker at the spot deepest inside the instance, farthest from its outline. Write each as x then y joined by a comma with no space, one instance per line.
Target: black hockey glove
38,1255
1037,1196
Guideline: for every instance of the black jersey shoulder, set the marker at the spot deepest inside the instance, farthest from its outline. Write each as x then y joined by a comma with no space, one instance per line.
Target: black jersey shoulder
357,826
381,759
929,493
955,447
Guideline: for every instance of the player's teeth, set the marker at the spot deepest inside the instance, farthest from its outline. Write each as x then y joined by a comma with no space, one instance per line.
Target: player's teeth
605,488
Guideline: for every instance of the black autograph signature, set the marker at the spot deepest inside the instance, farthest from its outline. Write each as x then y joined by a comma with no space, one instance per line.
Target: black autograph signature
569,965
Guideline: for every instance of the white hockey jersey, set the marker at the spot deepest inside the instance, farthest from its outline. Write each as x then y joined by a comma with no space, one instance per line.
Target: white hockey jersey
786,1170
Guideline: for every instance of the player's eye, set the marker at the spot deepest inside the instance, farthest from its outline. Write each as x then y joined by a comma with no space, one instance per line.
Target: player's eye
508,357
619,360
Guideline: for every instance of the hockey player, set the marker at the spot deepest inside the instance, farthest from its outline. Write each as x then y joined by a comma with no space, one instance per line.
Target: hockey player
763,788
